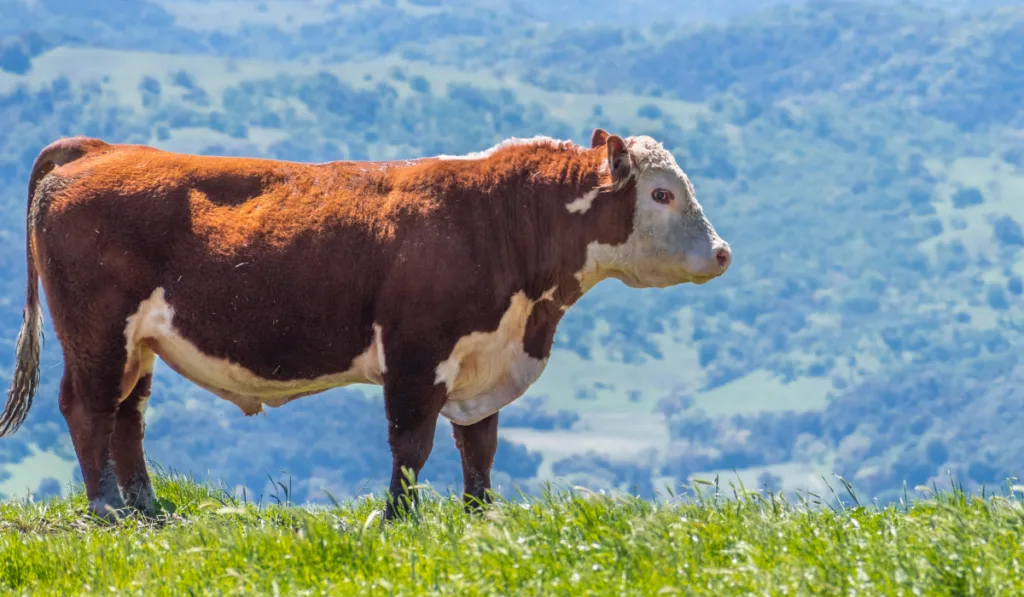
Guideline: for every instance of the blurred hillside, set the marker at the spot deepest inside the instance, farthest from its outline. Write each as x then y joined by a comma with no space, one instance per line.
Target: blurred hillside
865,159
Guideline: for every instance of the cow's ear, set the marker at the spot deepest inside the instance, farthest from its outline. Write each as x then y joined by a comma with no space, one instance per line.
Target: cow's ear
620,164
599,138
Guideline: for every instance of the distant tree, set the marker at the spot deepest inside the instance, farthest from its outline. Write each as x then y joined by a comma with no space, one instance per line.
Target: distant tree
218,121
183,79
967,197
886,171
996,297
952,257
630,475
48,487
916,167
861,305
149,85
982,470
197,96
769,482
721,167
1014,156
920,424
650,111
14,57
1007,231
529,412
707,353
676,402
420,84
179,116
936,452
587,394
517,461
150,90
919,195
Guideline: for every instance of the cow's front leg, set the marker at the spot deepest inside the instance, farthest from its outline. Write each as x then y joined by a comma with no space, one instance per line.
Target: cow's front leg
477,444
413,404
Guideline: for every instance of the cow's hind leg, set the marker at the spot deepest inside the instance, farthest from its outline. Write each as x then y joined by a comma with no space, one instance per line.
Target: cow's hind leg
477,444
100,372
126,441
88,401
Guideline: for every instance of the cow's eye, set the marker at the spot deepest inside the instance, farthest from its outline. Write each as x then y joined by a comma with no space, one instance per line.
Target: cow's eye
662,196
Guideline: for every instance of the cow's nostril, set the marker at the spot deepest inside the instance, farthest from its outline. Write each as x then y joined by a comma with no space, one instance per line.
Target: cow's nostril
724,257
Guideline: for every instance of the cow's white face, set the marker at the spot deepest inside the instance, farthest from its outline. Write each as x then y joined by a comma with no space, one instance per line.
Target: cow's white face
672,241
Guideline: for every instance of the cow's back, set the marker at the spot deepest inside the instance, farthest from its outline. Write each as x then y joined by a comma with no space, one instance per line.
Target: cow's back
232,205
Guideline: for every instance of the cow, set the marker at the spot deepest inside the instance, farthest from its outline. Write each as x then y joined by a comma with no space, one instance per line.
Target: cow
442,279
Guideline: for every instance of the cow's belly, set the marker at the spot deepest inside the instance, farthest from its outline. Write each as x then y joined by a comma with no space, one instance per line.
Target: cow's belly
152,328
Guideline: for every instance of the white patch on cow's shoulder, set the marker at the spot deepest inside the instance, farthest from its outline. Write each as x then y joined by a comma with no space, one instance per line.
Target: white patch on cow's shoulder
152,325
521,372
487,370
582,204
510,142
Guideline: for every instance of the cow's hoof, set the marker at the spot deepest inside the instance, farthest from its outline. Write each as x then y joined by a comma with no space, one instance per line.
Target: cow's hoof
107,511
395,512
477,503
144,502
473,506
151,511
390,514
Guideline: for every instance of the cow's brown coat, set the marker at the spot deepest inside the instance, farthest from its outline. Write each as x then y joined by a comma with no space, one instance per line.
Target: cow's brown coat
285,269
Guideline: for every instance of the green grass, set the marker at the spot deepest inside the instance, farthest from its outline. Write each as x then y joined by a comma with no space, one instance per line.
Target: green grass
575,543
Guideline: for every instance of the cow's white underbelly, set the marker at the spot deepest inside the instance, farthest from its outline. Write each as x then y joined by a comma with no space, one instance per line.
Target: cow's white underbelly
484,372
152,326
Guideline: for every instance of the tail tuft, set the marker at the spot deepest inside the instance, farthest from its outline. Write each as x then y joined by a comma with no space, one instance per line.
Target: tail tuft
25,379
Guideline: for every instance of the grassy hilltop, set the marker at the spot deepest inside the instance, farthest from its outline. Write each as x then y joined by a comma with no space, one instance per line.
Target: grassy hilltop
721,542
865,159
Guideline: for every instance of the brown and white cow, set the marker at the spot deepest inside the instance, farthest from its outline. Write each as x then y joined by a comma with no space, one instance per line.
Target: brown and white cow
441,279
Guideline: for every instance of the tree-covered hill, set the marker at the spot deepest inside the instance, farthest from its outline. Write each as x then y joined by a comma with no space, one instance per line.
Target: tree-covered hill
865,160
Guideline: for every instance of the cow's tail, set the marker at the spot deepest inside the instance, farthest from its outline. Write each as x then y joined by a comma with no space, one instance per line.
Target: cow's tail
25,377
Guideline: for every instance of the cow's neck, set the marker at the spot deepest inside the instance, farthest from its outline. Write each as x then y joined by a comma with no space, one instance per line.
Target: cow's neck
570,222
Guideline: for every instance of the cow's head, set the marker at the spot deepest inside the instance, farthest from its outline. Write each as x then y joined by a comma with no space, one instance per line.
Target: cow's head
672,241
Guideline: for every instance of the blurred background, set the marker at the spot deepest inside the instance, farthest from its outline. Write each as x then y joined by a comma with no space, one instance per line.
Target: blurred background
865,160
